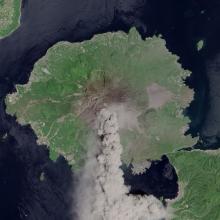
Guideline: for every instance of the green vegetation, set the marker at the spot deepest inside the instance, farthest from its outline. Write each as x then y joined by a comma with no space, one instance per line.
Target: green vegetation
199,176
138,78
9,16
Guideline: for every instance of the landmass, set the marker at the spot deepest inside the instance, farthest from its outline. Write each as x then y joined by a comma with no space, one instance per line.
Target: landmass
199,178
9,16
138,79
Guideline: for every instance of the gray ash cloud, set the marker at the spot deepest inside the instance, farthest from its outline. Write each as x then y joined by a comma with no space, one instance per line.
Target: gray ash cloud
101,193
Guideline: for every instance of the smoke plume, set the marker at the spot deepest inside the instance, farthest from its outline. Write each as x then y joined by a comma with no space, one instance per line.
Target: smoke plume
100,192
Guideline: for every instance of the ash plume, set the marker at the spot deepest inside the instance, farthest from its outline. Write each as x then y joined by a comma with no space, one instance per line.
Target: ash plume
101,193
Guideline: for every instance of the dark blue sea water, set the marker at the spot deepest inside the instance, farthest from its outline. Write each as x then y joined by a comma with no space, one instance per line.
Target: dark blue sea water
160,180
